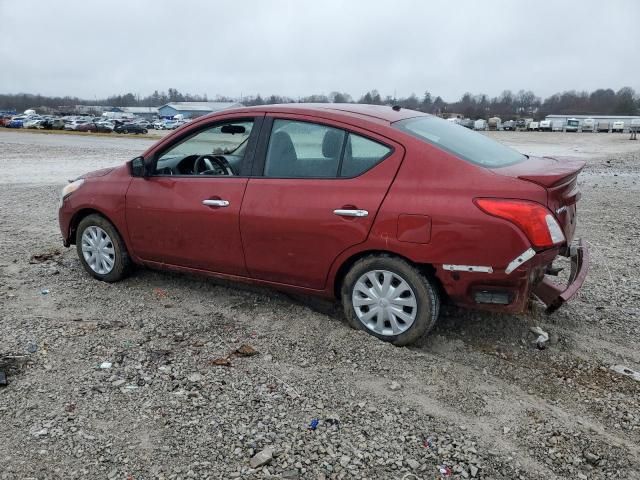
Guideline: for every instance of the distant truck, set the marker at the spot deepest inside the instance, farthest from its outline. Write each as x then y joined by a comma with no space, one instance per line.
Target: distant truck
533,126
557,125
603,126
572,125
617,126
495,123
588,125
544,126
480,124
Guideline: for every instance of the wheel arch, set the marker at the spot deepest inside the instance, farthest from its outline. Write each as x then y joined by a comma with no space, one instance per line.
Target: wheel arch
425,268
82,214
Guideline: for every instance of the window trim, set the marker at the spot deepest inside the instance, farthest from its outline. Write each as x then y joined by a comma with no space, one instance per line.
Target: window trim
249,158
265,136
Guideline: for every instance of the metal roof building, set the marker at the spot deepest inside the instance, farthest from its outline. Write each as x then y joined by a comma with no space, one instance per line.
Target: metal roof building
609,118
145,112
194,109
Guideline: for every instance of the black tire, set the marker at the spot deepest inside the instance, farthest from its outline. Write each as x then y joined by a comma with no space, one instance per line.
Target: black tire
125,131
428,301
144,131
122,262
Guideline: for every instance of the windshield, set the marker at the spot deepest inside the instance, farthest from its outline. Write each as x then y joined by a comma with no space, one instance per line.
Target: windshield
460,141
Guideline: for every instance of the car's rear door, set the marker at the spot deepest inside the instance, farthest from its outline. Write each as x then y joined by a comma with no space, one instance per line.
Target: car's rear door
178,217
318,188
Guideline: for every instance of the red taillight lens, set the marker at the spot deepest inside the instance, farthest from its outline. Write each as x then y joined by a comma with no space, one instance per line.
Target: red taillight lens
535,220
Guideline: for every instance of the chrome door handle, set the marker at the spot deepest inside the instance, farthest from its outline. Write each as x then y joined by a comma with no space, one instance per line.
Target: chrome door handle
350,213
216,203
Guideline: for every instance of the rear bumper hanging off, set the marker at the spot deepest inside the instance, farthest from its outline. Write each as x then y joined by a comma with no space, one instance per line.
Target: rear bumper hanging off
552,295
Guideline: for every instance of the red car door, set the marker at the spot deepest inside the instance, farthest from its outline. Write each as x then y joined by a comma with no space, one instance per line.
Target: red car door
316,198
187,213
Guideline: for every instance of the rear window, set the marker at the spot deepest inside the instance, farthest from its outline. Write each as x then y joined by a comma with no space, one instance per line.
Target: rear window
460,141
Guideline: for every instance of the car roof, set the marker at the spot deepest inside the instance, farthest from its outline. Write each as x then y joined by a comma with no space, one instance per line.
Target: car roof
378,113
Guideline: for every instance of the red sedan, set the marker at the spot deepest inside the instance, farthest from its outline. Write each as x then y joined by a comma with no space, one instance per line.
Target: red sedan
389,210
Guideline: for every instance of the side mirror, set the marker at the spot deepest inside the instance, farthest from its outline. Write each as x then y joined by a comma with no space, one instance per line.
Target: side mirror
138,167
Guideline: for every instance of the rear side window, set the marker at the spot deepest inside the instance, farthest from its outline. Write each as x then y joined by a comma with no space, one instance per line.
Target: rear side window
462,142
361,154
310,150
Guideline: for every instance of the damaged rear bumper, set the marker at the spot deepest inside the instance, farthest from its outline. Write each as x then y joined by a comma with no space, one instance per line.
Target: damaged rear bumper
553,295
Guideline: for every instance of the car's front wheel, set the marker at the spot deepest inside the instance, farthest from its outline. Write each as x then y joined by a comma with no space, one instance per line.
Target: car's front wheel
102,252
390,299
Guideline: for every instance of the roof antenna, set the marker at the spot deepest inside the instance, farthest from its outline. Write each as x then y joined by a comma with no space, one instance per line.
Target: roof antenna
396,108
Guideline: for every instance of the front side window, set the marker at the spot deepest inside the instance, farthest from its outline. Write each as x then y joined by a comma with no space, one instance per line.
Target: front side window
462,142
218,150
309,150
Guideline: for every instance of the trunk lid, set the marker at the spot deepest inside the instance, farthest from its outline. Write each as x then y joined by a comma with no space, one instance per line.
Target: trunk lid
559,177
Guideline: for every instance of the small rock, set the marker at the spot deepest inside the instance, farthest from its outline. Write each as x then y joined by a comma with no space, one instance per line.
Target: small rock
474,471
344,461
195,378
590,457
413,464
261,458
506,430
39,432
105,365
119,383
394,386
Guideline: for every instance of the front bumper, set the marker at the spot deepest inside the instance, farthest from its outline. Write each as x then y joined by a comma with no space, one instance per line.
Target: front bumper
553,295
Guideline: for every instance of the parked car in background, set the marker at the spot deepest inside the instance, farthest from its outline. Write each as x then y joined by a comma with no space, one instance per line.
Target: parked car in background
533,126
52,124
74,124
95,127
557,125
32,122
509,125
521,123
617,126
129,128
588,125
544,126
15,123
572,125
339,201
603,126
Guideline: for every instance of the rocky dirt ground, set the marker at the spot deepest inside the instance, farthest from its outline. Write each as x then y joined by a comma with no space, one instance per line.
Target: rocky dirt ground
157,376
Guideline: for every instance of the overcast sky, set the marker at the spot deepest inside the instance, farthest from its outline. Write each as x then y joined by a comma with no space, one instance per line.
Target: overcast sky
95,49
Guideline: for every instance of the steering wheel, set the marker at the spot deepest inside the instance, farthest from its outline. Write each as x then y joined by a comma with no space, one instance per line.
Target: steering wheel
212,164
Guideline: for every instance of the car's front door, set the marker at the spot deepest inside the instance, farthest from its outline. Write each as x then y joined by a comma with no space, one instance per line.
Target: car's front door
187,212
319,193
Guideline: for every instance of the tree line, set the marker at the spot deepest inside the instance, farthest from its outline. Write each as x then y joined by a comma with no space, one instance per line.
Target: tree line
508,104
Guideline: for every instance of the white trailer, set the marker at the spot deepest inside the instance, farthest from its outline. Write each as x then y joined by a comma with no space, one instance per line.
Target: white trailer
588,125
617,126
480,124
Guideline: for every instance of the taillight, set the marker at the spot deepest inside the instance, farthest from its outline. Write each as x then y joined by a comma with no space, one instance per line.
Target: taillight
535,220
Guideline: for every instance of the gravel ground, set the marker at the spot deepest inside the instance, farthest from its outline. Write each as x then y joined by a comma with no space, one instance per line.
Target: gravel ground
183,393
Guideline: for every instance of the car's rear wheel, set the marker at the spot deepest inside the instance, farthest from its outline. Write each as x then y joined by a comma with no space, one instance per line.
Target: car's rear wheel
102,252
390,299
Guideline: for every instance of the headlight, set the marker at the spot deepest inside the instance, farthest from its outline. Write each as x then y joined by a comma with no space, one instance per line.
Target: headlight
72,187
